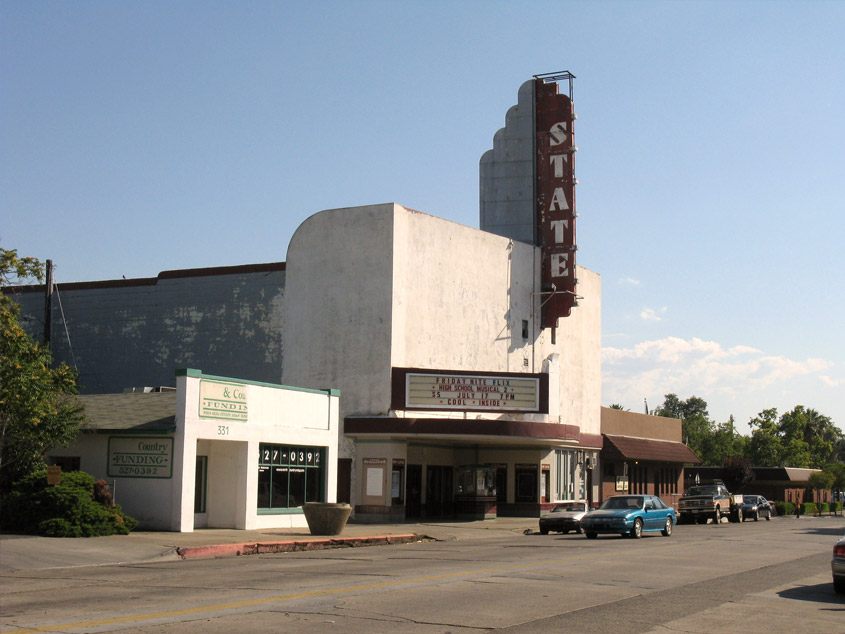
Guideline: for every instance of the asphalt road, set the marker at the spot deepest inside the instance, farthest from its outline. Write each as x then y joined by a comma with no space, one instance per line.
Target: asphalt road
756,577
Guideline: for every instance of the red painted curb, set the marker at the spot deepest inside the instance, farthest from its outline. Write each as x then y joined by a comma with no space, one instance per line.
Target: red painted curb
257,548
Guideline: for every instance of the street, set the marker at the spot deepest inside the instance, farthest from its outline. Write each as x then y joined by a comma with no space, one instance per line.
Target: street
756,577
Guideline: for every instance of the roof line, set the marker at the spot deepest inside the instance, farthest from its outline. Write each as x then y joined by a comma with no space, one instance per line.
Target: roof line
266,267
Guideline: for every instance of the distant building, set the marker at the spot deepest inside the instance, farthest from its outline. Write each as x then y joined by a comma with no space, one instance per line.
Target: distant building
783,484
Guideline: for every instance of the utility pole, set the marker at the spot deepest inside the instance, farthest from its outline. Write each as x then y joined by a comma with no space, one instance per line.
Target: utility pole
48,303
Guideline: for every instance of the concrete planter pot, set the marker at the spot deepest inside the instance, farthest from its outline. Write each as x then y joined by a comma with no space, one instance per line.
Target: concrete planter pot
326,518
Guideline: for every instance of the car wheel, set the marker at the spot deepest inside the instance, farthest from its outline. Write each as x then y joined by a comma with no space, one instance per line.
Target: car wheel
756,516
578,530
637,531
591,535
544,531
667,529
839,585
739,516
717,516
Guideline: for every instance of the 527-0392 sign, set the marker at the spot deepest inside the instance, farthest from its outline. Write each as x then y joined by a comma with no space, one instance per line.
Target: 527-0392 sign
140,457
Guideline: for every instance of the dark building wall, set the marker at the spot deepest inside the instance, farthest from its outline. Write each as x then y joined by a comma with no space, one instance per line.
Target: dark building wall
130,333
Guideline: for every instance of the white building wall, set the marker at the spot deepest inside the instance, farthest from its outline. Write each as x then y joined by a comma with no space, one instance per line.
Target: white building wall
148,500
382,286
276,414
338,311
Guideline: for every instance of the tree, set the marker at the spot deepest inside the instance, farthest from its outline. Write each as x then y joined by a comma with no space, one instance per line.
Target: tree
722,443
736,472
837,472
618,406
765,448
696,427
820,481
38,409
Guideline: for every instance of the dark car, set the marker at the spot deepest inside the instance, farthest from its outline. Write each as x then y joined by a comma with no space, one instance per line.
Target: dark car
630,515
563,518
837,566
756,506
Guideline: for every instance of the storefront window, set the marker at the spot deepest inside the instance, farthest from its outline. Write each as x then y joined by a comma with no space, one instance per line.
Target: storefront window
566,465
289,476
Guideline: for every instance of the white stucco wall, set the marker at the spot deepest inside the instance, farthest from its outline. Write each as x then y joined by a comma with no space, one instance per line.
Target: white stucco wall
381,286
337,314
276,414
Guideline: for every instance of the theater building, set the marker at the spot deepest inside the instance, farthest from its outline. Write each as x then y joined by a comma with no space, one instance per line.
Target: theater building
456,401
467,360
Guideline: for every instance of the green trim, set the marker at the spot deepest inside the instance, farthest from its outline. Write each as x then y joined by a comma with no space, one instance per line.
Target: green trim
190,372
130,432
294,511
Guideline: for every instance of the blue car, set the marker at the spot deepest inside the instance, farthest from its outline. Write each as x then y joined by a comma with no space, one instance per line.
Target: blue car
630,515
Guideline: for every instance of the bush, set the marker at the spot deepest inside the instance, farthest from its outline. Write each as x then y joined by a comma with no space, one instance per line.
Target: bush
808,508
836,507
825,508
785,508
78,507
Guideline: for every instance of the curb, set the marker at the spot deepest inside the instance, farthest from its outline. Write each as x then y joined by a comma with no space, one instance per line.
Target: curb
260,548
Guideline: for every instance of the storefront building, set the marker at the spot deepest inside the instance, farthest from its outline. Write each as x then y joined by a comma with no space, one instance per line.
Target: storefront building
215,452
643,454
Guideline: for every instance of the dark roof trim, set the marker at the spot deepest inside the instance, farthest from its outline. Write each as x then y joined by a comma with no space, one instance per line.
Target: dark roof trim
459,427
152,281
630,448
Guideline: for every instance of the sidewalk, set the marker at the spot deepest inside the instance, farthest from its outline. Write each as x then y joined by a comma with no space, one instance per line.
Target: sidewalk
24,552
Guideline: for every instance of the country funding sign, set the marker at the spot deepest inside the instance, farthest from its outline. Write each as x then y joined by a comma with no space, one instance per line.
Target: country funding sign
477,392
140,457
222,400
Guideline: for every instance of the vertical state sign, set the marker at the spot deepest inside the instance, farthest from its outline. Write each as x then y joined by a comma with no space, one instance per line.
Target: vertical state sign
555,187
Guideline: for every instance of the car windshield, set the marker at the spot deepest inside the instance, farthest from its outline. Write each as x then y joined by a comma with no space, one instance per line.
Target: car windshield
622,502
703,490
749,499
570,506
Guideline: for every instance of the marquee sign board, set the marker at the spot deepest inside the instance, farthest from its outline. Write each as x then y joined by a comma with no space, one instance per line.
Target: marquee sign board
555,188
461,391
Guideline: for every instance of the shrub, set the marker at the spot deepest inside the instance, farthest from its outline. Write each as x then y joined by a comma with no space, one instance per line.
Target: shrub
836,507
78,507
808,508
825,508
785,508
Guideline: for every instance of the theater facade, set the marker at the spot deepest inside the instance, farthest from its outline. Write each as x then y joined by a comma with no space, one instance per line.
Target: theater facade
467,361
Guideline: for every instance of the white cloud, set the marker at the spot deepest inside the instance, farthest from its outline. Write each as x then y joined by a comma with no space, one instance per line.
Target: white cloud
741,378
629,281
831,382
650,314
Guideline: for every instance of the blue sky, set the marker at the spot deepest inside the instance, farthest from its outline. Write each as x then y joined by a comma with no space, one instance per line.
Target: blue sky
137,137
